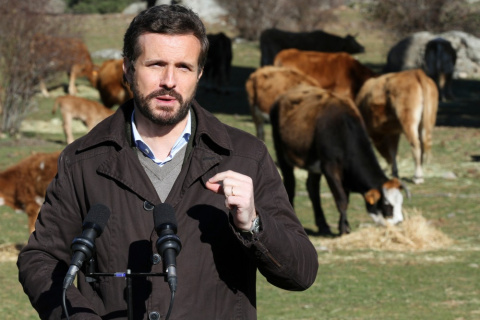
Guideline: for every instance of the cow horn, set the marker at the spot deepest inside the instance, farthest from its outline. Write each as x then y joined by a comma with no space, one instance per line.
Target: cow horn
407,192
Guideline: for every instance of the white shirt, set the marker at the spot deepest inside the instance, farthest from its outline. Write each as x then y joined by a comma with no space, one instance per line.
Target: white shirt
179,144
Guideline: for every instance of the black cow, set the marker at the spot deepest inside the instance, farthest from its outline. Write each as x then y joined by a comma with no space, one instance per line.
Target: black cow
272,41
323,133
439,64
219,61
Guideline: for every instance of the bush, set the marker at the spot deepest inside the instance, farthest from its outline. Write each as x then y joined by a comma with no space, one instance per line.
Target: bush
404,17
95,6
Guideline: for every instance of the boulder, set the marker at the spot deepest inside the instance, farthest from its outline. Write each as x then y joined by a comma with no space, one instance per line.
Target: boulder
408,53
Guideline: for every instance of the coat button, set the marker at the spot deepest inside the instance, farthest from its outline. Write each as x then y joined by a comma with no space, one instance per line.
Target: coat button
148,206
156,258
154,315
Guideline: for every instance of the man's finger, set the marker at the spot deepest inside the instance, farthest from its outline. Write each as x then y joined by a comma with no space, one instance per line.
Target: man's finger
215,187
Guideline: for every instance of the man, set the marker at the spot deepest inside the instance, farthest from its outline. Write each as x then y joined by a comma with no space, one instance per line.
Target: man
232,211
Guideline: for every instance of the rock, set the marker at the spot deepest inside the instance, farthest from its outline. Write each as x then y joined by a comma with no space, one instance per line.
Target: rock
108,54
408,53
135,8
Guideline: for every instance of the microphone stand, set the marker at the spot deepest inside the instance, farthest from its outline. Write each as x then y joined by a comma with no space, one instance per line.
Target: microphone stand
128,275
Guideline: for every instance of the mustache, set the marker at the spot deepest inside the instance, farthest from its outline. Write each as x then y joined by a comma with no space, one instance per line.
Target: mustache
163,92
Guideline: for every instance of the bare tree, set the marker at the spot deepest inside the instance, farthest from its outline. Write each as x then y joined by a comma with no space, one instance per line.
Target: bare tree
20,70
404,17
308,15
251,17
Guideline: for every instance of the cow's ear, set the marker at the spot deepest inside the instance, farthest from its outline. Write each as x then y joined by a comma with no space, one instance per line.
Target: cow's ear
372,196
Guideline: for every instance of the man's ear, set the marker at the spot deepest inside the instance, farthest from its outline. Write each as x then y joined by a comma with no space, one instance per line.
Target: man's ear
127,70
200,74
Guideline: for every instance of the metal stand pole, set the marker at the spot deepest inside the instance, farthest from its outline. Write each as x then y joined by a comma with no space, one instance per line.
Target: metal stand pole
128,278
129,295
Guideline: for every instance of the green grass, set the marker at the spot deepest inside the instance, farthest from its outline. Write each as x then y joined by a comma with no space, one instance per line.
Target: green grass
351,284
376,285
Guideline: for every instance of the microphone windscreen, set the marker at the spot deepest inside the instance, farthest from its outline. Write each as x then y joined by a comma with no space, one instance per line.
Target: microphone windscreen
97,216
164,213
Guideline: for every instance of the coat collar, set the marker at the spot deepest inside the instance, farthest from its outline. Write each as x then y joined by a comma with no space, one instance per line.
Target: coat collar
211,141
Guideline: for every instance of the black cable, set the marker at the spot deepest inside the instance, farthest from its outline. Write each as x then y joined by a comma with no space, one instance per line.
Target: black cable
172,298
64,303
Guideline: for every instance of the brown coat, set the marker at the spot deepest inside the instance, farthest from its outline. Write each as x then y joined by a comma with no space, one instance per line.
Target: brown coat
216,267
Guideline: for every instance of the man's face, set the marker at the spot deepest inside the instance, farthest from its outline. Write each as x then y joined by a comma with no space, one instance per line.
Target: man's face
165,77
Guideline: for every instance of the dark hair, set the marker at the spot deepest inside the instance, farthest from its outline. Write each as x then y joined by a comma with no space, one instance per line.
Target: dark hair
165,19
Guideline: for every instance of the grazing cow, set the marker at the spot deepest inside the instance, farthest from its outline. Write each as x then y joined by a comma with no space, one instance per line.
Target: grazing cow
338,72
265,85
219,61
88,111
440,58
319,131
272,41
64,54
23,186
399,102
110,84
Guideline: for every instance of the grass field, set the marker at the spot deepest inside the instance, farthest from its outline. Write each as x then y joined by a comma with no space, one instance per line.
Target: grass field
361,283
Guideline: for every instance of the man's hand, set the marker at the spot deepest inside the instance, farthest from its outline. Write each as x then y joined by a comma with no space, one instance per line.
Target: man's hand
238,191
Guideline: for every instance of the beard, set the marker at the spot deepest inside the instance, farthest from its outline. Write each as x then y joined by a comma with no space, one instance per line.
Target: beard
142,103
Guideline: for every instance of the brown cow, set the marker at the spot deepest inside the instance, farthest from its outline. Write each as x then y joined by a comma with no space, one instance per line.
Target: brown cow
113,90
88,111
399,102
323,133
265,85
23,185
65,54
337,72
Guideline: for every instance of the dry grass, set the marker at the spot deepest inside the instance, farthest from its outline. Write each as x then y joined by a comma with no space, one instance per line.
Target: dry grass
415,233
9,252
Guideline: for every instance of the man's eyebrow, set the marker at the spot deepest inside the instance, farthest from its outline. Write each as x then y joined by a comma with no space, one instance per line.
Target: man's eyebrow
180,63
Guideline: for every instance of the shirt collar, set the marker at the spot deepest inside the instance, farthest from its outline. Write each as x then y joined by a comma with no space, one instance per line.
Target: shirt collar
179,144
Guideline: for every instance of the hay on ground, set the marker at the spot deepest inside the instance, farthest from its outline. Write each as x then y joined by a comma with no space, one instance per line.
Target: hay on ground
9,252
415,233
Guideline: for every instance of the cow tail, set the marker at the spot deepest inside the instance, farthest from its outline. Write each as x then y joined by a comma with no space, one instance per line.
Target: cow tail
429,112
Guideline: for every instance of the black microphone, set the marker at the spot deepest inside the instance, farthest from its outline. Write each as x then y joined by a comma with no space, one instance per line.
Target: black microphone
83,247
168,243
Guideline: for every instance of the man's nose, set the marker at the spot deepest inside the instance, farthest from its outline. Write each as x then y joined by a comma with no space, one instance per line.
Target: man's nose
168,78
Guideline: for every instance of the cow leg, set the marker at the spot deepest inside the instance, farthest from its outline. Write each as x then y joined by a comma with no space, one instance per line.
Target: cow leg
412,135
333,176
32,210
448,87
288,180
258,119
392,142
313,187
43,89
387,146
72,89
67,127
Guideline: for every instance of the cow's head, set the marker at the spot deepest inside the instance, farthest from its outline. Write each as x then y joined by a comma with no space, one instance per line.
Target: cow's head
352,46
385,205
